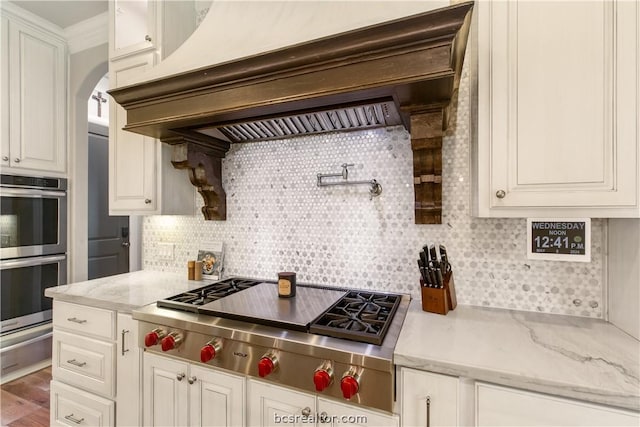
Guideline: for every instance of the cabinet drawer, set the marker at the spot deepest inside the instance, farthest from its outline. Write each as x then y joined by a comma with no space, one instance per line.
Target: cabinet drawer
501,406
73,407
84,362
86,320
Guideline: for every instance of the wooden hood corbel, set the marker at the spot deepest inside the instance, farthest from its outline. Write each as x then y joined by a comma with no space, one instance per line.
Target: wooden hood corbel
404,71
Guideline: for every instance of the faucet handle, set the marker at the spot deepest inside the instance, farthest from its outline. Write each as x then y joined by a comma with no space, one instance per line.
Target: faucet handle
345,172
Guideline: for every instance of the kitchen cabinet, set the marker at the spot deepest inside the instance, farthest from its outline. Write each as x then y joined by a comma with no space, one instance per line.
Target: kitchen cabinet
503,406
271,405
34,97
138,26
128,368
428,399
333,414
557,109
93,367
180,393
142,180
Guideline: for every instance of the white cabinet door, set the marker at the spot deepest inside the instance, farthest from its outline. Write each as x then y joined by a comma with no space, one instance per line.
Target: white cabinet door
34,98
165,391
270,405
502,406
333,414
215,398
428,399
132,157
128,375
558,108
132,27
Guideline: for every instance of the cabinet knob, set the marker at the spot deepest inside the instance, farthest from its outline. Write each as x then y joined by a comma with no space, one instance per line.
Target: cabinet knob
126,244
180,376
500,194
17,160
147,201
147,38
306,411
192,379
5,158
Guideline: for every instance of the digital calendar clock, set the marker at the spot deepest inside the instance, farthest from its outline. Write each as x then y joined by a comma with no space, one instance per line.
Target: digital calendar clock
559,239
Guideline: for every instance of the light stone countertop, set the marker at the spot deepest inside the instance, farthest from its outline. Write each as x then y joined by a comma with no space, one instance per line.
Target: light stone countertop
581,358
125,292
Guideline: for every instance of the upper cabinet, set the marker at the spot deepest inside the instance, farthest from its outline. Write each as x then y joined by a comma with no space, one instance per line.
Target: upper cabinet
34,97
133,27
557,108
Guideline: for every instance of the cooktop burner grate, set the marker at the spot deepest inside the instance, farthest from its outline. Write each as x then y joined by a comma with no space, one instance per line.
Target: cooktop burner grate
359,316
190,300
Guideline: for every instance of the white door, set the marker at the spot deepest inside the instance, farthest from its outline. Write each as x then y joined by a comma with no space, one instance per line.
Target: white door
215,398
132,157
334,414
165,391
558,107
37,100
270,405
128,374
427,396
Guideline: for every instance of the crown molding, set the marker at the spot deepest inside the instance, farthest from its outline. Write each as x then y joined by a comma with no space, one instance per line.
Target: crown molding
31,19
88,33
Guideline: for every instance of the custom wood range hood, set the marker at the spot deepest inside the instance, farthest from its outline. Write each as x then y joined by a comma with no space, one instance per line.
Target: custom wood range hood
404,71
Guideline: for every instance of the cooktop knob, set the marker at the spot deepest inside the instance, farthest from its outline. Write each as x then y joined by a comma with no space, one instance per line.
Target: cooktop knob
267,364
210,350
154,337
350,384
171,341
321,379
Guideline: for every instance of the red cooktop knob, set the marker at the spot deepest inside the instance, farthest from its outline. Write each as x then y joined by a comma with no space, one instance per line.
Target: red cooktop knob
265,366
207,353
168,343
349,386
151,339
321,379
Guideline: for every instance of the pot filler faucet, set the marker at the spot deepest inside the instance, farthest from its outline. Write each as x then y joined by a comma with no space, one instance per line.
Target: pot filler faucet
375,190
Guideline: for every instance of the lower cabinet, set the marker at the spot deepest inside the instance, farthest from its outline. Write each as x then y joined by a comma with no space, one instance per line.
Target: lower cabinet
503,406
431,400
178,393
70,406
271,405
333,414
96,371
428,399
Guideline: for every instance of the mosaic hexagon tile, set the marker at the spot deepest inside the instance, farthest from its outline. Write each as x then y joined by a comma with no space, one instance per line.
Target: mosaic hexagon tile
279,220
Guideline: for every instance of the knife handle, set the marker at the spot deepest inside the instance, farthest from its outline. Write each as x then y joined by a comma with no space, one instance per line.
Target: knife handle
439,278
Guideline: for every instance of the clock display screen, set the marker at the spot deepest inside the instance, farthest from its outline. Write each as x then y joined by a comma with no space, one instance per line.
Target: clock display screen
558,237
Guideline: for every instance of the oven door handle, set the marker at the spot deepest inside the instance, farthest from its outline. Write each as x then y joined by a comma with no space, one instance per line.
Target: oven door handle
14,263
19,192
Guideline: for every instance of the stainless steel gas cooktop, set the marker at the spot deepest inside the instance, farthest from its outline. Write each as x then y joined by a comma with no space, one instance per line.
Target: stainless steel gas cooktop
332,341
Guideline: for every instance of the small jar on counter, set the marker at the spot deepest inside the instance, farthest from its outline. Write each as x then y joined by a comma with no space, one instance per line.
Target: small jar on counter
191,270
286,284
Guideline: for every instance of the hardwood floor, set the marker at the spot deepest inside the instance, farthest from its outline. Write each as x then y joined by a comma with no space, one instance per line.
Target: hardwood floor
25,401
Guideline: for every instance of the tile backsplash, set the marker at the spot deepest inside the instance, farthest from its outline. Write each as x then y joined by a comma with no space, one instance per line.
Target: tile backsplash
279,220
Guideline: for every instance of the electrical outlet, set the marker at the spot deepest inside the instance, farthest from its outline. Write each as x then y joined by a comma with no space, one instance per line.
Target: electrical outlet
166,251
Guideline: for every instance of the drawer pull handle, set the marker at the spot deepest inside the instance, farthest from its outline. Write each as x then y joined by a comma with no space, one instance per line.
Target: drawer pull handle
71,418
428,411
124,331
76,320
76,363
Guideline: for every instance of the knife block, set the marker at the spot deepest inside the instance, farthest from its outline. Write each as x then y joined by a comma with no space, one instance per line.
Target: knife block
436,300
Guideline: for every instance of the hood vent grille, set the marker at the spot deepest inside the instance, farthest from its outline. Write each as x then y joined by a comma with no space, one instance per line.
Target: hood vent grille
366,116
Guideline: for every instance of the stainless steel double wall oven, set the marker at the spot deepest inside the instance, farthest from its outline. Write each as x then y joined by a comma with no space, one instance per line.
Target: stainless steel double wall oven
33,246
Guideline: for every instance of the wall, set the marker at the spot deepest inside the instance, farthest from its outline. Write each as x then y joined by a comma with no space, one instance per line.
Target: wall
278,219
624,274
